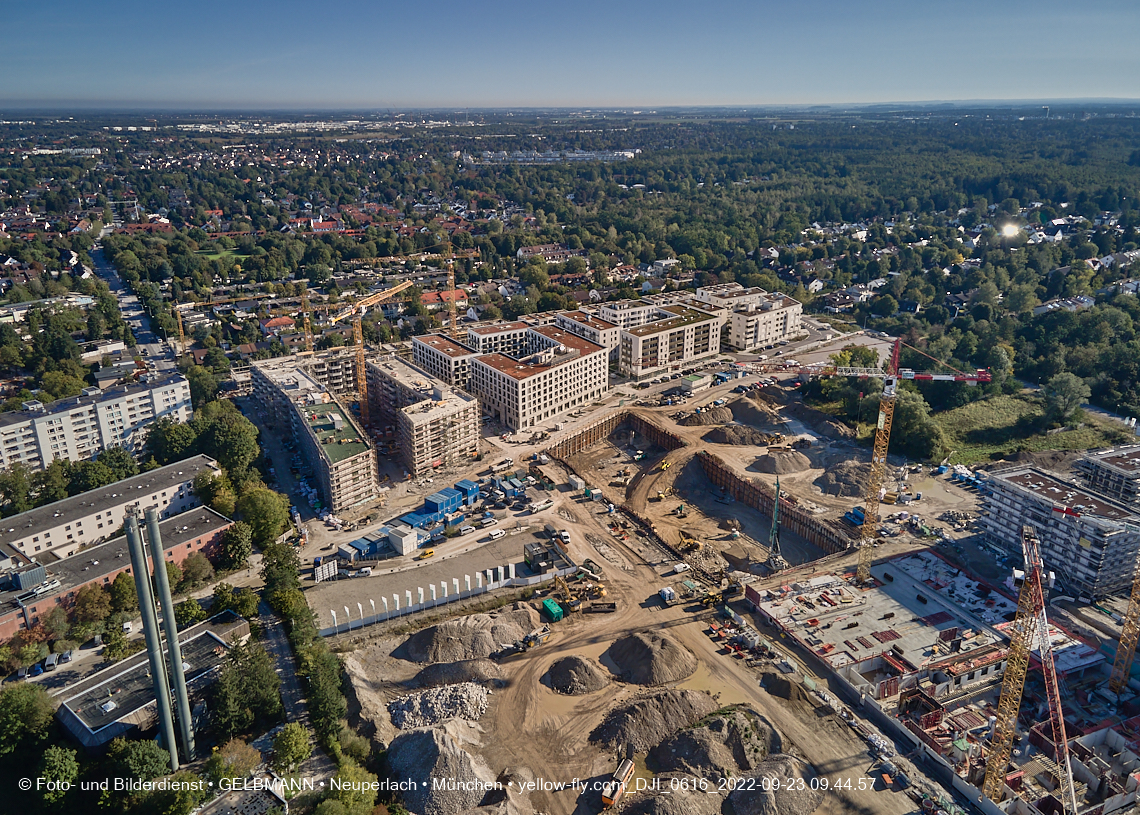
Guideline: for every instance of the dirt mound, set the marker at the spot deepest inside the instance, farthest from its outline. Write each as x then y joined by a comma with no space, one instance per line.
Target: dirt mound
673,802
779,685
649,720
717,415
422,755
1059,461
737,741
651,659
781,461
483,671
847,479
474,637
819,421
788,797
742,435
576,676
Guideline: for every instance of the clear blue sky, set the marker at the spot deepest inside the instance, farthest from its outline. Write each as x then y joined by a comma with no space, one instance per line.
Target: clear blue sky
377,54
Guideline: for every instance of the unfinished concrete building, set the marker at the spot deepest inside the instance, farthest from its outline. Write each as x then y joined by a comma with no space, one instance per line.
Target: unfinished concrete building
1114,472
1089,540
429,424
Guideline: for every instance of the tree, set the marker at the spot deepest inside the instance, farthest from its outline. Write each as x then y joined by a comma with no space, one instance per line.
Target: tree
169,441
92,604
16,489
59,765
227,436
186,793
885,306
248,692
203,386
290,748
357,789
196,570
266,512
235,759
56,623
120,461
91,475
215,492
124,595
144,760
189,613
25,714
1064,394
237,545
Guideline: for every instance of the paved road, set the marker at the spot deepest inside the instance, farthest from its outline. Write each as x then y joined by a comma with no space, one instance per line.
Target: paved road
277,644
152,348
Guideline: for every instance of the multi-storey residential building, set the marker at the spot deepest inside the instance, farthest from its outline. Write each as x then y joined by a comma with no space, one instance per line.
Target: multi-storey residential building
754,318
1114,472
499,338
629,313
594,329
37,588
433,425
60,529
443,358
79,427
565,372
1089,540
680,335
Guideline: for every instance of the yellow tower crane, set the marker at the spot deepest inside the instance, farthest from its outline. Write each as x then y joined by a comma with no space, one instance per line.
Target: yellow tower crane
1130,633
308,325
356,311
1031,624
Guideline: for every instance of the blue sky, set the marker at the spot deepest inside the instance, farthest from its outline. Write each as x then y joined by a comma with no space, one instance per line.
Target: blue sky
211,54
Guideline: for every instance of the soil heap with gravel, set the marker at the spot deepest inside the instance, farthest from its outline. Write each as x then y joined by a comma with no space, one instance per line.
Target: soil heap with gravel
716,415
847,479
651,659
742,435
421,755
483,671
428,707
685,801
782,461
576,676
777,684
648,721
784,798
736,741
473,637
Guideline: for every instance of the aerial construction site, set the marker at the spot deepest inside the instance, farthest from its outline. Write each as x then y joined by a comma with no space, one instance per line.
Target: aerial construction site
742,630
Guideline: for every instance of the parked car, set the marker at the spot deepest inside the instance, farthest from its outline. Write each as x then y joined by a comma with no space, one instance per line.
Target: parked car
466,530
496,534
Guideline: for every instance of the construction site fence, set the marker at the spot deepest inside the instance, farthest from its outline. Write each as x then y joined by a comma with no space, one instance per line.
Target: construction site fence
760,496
599,431
406,610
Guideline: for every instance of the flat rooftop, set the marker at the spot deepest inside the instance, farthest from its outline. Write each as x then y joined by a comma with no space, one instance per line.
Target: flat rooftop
408,374
582,318
337,443
445,345
1125,459
94,562
19,526
118,691
683,316
498,328
1064,493
151,382
431,408
572,341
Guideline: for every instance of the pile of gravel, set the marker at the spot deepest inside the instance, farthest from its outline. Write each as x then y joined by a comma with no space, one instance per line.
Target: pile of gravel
847,479
576,676
483,671
473,637
784,798
781,461
647,721
736,741
717,415
429,707
687,801
651,659
740,434
422,755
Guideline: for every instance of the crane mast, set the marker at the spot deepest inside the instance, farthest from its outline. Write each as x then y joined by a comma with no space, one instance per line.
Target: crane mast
1031,620
878,468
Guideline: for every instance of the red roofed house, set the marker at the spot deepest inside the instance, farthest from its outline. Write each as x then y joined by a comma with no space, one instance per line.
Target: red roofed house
276,325
435,300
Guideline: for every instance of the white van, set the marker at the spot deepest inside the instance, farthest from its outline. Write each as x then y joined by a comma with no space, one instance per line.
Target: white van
466,530
496,534
680,567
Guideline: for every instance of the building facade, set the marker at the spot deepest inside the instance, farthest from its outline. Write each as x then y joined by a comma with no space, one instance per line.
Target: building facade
443,358
755,318
1089,541
502,338
1114,472
78,427
679,336
63,528
596,330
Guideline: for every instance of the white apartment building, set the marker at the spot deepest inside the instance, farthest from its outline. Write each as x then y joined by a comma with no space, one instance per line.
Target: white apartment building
60,529
679,336
754,317
443,358
500,338
79,427
629,313
1114,472
431,424
596,330
567,372
1090,541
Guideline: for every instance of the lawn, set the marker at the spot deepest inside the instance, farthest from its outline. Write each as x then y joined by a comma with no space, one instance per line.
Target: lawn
223,254
987,430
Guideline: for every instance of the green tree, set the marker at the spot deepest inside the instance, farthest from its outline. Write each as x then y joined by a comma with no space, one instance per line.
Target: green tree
60,385
25,715
91,475
16,489
120,461
290,748
92,604
1064,394
203,386
227,436
884,306
215,492
58,764
184,796
235,759
124,596
237,545
196,570
144,760
188,613
248,691
266,512
355,793
169,441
